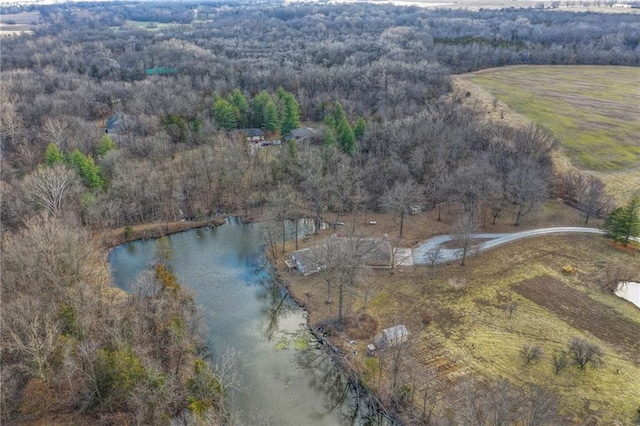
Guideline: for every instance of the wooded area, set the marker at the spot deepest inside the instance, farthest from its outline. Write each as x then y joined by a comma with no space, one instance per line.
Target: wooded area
91,139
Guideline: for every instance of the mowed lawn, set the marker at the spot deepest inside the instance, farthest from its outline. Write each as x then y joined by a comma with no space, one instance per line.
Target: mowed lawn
593,110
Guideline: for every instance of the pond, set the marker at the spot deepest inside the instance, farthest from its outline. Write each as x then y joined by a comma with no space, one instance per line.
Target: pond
630,291
247,313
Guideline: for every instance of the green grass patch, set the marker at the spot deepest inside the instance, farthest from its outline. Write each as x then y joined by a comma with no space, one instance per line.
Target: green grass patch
592,110
281,344
300,343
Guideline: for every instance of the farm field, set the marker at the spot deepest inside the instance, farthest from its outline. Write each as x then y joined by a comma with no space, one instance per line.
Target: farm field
592,110
18,23
472,334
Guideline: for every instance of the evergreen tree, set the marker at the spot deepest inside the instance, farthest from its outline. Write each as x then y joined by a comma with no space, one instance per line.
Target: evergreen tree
225,114
330,137
53,155
330,122
624,222
271,121
290,114
346,138
258,105
360,128
106,144
237,99
338,114
87,169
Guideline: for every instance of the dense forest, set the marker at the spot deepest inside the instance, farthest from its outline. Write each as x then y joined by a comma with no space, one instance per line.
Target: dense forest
106,123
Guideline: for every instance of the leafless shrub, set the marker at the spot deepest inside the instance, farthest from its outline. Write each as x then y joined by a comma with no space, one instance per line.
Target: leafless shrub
531,352
560,361
615,275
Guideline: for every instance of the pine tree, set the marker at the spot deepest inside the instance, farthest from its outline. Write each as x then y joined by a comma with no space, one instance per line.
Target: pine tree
225,114
623,223
290,114
53,155
330,137
271,121
360,128
237,99
338,114
87,169
258,105
346,138
106,144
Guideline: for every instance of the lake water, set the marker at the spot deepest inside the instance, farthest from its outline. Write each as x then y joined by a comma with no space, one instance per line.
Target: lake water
225,267
630,291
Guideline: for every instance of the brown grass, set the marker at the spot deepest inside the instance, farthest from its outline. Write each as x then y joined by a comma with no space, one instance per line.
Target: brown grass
114,237
469,332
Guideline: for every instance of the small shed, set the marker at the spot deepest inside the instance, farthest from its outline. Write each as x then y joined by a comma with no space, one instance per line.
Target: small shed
392,336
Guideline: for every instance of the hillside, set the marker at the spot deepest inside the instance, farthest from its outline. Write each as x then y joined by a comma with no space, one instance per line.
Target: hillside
469,324
592,110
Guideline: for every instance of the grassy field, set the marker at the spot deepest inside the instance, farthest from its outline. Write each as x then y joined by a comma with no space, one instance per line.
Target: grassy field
592,110
18,23
471,333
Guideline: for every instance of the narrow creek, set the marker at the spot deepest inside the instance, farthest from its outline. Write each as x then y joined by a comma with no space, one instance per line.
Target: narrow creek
280,383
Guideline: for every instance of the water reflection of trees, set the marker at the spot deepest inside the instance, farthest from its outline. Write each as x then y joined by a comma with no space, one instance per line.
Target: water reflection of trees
326,378
354,405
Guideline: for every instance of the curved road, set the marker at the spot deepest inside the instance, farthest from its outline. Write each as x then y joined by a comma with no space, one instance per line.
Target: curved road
419,254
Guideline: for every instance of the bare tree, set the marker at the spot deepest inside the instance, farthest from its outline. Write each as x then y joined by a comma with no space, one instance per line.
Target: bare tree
615,276
573,182
398,199
30,331
463,230
283,201
583,353
526,187
530,352
315,186
341,261
560,361
539,408
54,131
591,198
537,143
49,187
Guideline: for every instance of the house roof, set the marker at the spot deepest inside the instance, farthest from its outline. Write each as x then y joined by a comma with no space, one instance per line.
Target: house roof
374,252
253,132
392,335
304,132
307,259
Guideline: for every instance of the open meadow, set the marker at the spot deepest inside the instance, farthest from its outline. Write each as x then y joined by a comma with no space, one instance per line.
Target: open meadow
472,322
13,24
592,110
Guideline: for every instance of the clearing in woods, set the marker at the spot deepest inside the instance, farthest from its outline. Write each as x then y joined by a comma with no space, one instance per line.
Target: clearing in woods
592,110
462,324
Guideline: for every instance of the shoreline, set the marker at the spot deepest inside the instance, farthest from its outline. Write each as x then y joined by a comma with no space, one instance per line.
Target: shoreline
113,238
338,358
